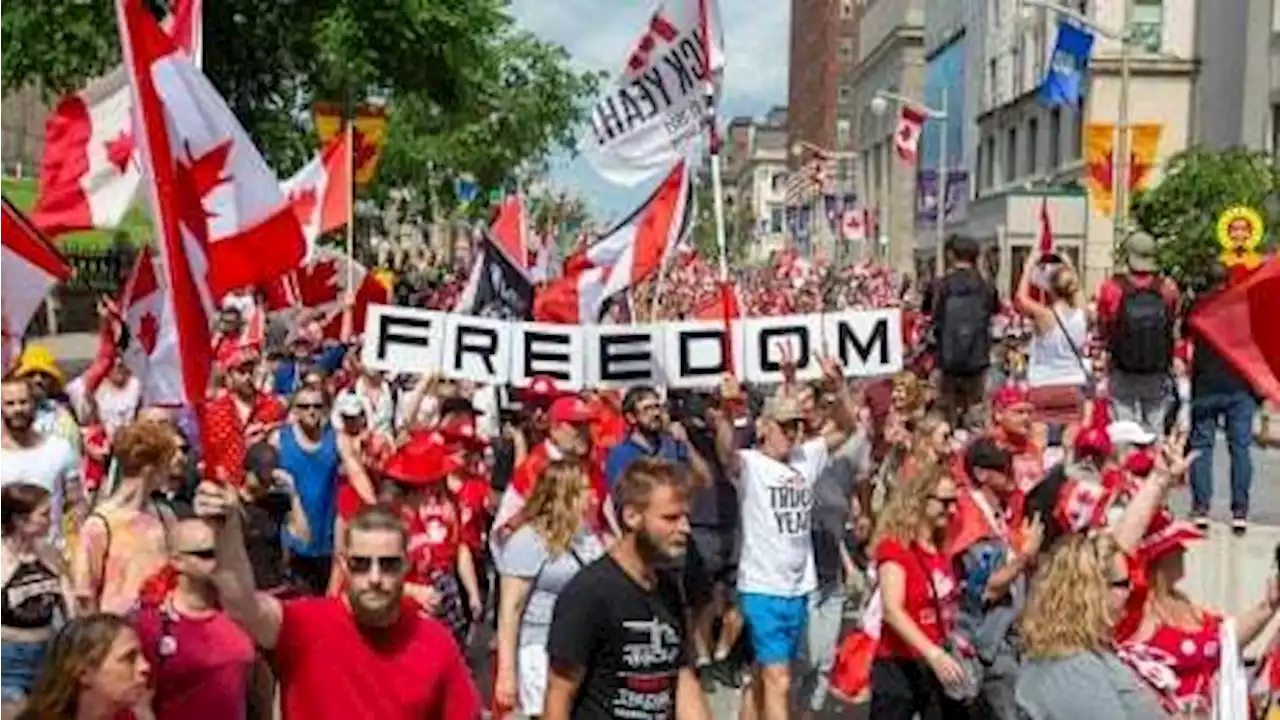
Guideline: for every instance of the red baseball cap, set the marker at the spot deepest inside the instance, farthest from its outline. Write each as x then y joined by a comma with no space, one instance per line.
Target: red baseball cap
1010,396
424,460
569,409
542,390
461,430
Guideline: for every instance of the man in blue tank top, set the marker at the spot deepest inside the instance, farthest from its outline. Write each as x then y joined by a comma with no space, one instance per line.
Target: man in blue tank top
309,453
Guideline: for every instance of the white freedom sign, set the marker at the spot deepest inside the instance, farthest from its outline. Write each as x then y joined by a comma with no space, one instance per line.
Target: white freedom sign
643,122
679,354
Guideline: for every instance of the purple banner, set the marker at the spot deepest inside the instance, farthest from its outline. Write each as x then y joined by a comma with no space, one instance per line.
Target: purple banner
927,196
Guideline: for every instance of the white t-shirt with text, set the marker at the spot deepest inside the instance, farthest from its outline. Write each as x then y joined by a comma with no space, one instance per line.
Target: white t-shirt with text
777,502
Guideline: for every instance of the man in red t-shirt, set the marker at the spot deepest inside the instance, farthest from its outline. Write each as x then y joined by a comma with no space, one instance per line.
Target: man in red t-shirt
1138,340
370,654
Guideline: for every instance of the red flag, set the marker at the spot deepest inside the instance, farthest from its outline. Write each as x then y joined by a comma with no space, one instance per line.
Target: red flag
906,139
89,171
221,220
30,267
1239,322
1046,228
510,230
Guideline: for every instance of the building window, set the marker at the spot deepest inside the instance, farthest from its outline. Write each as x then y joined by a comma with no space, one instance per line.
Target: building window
1076,128
846,9
846,50
991,84
989,168
1148,24
844,132
977,174
778,182
1033,146
1055,138
775,218
843,93
1016,61
1011,155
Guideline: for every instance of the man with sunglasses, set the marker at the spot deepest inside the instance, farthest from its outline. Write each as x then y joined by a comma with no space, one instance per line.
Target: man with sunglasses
309,453
201,660
371,653
775,480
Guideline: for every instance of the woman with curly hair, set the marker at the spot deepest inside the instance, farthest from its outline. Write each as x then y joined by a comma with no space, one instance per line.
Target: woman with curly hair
95,670
918,589
1072,667
550,545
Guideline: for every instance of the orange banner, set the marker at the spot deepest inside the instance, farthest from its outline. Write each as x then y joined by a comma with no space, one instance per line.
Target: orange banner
1099,160
370,134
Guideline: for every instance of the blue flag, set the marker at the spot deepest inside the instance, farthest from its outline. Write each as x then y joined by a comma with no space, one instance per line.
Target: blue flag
1064,82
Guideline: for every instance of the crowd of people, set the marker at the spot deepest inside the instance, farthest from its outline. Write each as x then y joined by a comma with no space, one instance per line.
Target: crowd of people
326,541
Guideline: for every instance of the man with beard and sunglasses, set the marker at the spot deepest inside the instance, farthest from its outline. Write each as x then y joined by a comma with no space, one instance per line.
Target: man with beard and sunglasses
775,480
371,653
617,645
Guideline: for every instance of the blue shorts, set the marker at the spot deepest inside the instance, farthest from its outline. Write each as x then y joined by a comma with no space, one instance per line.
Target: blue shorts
22,663
775,626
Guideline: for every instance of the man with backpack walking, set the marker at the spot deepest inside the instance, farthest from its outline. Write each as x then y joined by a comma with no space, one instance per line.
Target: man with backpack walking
1136,315
962,303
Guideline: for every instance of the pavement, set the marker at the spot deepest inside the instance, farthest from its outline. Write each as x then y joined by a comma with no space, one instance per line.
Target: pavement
1224,572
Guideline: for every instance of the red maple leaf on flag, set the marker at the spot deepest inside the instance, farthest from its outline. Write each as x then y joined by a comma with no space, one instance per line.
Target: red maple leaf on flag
1103,170
119,150
318,283
304,204
195,180
364,150
148,332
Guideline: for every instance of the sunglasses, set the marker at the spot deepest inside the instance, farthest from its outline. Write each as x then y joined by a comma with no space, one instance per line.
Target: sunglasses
363,564
1124,583
309,406
204,554
946,502
640,409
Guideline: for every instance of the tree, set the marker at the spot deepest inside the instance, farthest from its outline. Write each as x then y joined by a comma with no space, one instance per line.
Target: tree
460,78
1182,211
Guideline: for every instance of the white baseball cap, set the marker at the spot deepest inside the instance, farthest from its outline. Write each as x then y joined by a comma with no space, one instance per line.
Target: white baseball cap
1128,432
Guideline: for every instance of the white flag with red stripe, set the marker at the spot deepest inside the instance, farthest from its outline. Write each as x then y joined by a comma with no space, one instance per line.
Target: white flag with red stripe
221,219
320,191
623,257
30,267
906,139
89,171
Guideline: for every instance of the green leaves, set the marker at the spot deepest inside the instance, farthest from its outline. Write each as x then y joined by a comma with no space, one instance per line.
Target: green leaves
1182,211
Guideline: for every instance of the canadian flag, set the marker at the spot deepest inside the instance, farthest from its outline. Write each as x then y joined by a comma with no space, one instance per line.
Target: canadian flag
317,290
153,339
621,258
906,139
221,219
320,191
510,230
853,224
89,172
30,267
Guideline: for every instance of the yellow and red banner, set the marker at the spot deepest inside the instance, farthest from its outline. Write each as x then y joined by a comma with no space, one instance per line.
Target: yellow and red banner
1099,160
369,134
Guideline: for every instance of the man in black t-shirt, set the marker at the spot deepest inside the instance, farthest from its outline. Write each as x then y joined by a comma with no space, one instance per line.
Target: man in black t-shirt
617,647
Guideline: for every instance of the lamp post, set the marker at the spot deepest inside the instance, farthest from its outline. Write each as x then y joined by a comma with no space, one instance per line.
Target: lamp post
1120,153
879,106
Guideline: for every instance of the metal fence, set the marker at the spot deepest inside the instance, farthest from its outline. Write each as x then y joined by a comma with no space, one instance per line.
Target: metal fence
98,272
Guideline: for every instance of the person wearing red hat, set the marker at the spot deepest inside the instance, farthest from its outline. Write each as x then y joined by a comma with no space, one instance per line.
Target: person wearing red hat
437,557
470,485
238,416
568,435
1178,632
1012,429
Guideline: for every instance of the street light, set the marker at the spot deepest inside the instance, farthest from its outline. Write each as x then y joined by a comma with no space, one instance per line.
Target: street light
879,106
1120,153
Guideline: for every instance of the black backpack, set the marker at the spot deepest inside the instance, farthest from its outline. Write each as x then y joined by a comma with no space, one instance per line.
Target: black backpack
1142,335
964,332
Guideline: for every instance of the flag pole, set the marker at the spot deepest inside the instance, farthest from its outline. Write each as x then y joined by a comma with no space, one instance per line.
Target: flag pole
717,189
351,206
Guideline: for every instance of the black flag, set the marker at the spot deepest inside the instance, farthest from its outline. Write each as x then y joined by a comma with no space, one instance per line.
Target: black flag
497,287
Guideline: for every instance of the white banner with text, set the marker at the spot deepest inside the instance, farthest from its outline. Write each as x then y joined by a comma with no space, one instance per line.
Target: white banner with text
868,343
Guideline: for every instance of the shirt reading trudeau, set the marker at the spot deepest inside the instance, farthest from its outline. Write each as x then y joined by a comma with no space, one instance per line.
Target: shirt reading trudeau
628,642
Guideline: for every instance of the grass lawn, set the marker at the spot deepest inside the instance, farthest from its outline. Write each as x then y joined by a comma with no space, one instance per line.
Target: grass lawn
136,225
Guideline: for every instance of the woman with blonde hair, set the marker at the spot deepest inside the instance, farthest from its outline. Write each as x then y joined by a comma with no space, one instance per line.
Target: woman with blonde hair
913,670
1056,368
95,670
550,545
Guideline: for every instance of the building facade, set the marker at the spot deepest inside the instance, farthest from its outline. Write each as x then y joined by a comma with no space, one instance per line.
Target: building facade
1023,150
755,182
1238,96
890,51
